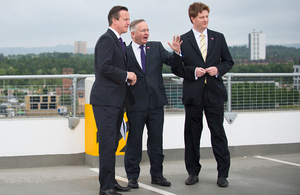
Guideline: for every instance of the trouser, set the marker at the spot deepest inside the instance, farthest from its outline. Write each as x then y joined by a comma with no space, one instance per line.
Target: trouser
192,134
108,120
153,118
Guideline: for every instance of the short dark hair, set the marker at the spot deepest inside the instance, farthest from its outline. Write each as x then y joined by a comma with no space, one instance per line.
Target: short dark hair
196,8
133,24
115,13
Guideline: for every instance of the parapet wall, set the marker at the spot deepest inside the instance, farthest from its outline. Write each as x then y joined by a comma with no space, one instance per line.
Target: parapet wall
32,142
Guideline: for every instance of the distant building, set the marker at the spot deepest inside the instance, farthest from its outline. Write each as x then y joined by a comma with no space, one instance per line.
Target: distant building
257,46
297,79
80,47
67,83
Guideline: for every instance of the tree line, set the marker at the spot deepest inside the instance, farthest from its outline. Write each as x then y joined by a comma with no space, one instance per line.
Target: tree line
273,52
53,63
45,64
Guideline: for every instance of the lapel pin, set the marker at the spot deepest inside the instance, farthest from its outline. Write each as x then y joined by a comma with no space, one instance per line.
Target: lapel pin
212,38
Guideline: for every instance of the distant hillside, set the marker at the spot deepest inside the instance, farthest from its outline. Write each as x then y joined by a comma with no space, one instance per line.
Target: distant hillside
297,46
273,52
37,50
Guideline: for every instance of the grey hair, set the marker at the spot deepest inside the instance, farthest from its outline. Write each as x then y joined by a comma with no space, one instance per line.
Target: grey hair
133,24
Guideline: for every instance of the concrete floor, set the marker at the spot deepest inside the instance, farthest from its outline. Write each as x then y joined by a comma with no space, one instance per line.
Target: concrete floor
277,174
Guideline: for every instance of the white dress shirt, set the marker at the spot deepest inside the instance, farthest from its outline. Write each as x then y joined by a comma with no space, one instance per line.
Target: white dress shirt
198,37
116,33
137,52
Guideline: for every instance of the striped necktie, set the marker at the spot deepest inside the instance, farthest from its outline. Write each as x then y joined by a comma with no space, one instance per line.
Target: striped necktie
203,47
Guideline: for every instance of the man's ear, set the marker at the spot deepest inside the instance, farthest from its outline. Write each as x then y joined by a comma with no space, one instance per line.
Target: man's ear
132,34
192,19
114,20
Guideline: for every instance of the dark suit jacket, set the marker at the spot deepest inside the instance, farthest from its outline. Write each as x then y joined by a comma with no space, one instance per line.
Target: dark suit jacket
149,87
218,55
109,88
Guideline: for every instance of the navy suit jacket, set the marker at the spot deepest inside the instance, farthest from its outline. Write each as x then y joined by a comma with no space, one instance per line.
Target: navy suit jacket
218,55
149,88
109,88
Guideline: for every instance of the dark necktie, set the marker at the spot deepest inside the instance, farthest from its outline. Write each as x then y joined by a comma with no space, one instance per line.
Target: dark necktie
143,58
122,43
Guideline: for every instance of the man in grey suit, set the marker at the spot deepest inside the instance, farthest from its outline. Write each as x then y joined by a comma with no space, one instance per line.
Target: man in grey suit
109,94
146,60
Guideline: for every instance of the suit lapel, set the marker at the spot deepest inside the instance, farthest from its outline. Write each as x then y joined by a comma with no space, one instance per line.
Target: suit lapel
118,43
211,41
121,48
192,40
132,56
148,54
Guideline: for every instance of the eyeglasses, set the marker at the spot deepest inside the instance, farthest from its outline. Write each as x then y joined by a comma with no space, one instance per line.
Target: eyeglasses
144,30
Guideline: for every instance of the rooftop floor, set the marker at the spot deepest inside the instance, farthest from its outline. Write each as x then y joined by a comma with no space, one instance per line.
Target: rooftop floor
276,174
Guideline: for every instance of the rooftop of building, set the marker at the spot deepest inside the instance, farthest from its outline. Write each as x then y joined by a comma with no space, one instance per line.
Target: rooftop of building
276,175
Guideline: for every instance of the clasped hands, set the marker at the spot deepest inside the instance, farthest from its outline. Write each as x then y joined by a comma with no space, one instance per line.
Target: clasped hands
212,71
131,78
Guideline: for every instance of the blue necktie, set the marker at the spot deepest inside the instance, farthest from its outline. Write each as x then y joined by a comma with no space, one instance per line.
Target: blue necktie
122,43
143,58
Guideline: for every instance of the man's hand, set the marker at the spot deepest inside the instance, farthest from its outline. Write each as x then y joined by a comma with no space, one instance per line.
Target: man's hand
212,71
176,44
131,78
200,72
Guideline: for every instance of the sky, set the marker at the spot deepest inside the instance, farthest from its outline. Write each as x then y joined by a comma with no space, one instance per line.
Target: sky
48,23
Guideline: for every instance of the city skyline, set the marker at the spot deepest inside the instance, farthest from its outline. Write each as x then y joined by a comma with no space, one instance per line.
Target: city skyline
46,24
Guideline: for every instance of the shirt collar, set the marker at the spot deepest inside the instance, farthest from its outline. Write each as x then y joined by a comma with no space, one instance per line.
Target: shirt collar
197,34
135,46
116,33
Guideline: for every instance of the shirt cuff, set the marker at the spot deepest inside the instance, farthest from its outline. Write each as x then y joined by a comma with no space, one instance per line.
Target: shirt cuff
196,78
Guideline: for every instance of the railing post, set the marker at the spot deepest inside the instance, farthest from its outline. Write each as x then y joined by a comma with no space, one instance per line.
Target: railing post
74,96
229,93
73,120
229,116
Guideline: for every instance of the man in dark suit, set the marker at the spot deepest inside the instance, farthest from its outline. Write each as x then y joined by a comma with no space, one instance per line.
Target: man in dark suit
205,59
146,60
108,95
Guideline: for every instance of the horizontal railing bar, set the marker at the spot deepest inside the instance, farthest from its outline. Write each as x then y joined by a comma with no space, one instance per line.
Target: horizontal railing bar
167,75
69,76
261,74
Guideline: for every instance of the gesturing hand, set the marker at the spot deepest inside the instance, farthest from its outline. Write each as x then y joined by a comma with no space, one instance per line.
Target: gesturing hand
176,44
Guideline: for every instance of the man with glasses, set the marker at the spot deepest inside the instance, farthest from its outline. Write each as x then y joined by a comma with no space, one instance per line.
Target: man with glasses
146,60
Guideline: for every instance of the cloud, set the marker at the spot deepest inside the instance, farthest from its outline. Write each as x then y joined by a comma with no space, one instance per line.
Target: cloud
38,23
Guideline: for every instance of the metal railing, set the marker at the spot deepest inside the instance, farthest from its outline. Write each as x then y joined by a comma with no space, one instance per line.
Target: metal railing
246,92
41,100
262,91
